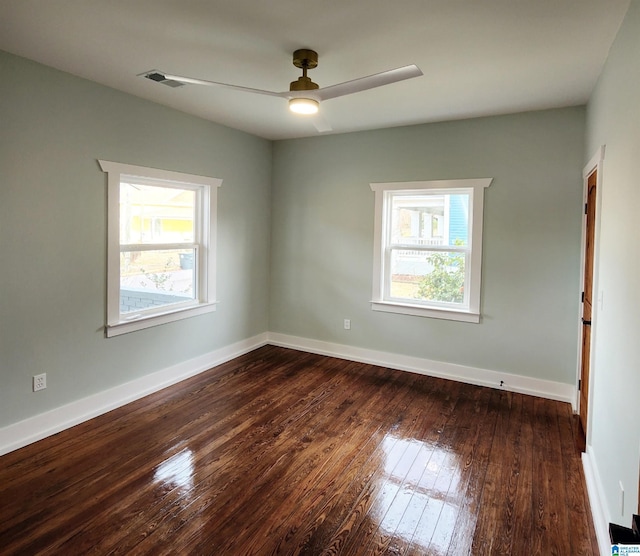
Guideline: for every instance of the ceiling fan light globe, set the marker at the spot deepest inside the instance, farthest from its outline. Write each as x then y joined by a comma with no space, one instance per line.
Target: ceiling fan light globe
304,106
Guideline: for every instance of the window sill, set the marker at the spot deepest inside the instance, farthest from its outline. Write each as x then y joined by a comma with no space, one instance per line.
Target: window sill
147,321
430,312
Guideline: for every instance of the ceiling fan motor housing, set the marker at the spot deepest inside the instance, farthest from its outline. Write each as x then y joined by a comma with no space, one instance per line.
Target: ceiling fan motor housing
303,83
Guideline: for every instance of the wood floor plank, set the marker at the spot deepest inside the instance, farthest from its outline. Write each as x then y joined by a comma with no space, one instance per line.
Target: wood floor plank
367,483
418,486
452,480
219,475
322,437
516,494
494,500
399,491
341,512
476,464
522,476
550,497
319,484
284,452
271,434
444,476
378,496
470,441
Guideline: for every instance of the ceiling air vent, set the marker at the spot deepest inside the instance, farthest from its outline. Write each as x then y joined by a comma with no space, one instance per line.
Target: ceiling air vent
159,77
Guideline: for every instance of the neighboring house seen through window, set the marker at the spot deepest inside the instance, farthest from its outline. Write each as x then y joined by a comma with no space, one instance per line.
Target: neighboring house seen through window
428,248
161,246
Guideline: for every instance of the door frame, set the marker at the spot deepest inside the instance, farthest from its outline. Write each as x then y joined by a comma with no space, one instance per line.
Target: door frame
594,164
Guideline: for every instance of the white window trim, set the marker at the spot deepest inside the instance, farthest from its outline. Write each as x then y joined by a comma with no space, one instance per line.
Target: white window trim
378,301
206,277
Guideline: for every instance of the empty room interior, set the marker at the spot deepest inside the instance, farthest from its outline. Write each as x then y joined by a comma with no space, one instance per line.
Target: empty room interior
401,320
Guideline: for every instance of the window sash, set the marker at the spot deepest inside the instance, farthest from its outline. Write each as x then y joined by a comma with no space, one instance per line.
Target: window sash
149,293
463,305
194,217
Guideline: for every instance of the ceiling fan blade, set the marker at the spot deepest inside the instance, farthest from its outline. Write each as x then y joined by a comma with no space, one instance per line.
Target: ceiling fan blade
183,79
369,82
321,124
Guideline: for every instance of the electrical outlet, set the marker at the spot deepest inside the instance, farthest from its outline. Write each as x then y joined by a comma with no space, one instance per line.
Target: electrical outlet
39,382
347,324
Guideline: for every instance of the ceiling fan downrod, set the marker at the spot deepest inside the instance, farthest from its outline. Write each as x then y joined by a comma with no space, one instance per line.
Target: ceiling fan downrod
304,59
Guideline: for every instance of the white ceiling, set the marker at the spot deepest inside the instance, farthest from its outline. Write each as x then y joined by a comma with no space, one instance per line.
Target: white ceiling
479,57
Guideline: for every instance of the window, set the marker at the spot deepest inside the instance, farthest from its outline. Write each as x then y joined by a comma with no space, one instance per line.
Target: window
161,246
428,248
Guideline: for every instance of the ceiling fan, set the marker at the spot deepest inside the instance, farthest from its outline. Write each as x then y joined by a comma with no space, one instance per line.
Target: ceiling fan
304,95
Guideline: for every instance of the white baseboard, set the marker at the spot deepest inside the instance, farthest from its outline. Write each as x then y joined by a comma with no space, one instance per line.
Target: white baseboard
35,428
471,375
601,518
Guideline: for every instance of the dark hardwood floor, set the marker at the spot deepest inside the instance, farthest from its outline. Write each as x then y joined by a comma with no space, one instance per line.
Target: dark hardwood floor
283,452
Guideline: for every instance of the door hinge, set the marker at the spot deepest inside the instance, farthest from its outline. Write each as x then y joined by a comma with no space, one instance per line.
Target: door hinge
579,385
582,297
585,208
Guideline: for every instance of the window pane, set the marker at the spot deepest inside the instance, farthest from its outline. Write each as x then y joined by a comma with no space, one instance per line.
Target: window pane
150,214
150,279
428,276
430,219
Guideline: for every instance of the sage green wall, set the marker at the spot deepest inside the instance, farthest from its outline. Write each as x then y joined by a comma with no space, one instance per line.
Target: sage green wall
613,119
53,128
322,239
